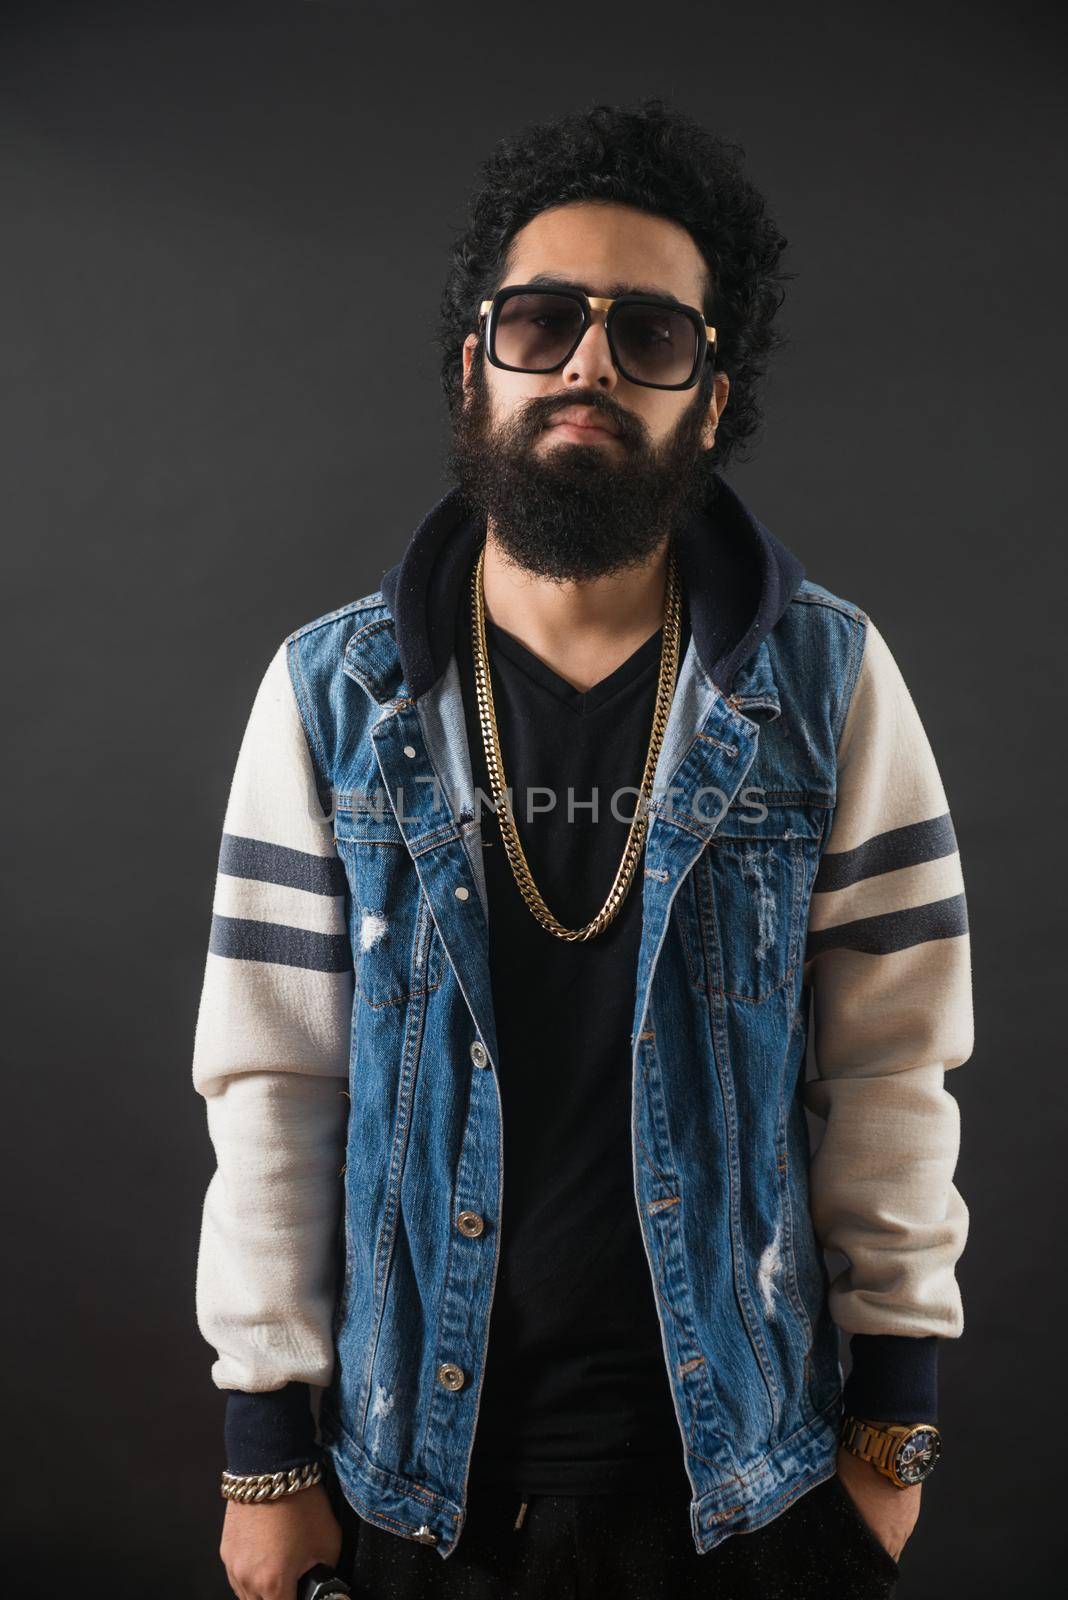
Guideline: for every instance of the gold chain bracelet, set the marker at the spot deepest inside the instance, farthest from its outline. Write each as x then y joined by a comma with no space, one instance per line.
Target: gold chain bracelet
251,1487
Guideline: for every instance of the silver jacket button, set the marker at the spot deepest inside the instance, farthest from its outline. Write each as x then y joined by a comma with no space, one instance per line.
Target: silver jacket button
451,1375
471,1223
479,1054
425,1535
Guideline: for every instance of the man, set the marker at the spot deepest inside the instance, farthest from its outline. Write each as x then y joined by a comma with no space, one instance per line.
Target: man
545,1058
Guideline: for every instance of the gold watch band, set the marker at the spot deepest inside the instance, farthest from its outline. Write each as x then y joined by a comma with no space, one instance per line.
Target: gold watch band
880,1442
872,1442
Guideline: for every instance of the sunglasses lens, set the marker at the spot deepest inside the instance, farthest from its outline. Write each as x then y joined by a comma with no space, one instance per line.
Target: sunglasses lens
534,332
654,344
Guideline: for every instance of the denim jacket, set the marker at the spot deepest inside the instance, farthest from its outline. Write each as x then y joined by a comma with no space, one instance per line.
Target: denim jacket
803,908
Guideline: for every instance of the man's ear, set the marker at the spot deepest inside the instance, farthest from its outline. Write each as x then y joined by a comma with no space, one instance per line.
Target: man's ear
468,355
720,390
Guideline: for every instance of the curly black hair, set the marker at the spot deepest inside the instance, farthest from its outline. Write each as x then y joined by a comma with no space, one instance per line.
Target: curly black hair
661,161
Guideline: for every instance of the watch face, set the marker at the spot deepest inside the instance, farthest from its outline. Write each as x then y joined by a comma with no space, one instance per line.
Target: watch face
916,1455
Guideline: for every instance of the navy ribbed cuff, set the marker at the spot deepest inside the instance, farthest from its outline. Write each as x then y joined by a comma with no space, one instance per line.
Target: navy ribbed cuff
270,1431
894,1377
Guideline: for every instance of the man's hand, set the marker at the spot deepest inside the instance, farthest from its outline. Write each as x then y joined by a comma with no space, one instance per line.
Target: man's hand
267,1548
891,1513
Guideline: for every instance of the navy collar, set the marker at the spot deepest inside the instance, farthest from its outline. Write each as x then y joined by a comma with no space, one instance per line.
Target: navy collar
738,579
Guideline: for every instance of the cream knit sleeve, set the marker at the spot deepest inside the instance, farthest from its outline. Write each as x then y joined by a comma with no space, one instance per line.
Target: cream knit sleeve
888,959
270,1058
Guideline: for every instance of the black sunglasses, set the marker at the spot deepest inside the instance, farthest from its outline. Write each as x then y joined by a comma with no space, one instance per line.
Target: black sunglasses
653,342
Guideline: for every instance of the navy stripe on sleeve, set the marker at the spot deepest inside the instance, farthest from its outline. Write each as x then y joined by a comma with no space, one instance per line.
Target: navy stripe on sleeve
887,852
894,930
277,863
244,939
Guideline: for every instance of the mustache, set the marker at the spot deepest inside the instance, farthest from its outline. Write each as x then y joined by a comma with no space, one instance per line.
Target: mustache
540,412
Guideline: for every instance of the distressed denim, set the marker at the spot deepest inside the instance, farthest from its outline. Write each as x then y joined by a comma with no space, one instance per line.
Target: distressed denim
742,804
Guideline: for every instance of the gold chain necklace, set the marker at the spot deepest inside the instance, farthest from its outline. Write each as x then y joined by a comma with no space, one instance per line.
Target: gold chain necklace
669,661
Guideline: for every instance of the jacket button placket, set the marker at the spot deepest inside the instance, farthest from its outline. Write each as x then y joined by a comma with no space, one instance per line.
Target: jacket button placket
468,1288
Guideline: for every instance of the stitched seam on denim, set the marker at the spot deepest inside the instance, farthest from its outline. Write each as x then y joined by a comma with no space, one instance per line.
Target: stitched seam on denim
396,999
453,1240
696,963
790,797
638,1140
741,1478
368,602
831,602
440,1331
660,1254
398,1152
359,838
721,1057
444,833
856,658
360,637
496,1232
793,1286
780,1502
392,1481
308,723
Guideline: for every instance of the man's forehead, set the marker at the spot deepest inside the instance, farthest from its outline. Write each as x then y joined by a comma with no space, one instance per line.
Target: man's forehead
610,288
608,249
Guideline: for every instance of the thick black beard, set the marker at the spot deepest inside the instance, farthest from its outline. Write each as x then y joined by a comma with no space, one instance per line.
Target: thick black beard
578,511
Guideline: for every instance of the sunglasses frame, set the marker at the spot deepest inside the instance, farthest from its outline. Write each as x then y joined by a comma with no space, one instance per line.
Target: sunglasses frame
489,313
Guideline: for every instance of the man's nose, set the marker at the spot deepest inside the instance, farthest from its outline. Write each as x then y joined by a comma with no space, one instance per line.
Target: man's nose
592,362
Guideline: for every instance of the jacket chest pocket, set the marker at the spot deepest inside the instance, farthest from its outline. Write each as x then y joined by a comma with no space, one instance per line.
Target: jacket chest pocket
750,891
395,946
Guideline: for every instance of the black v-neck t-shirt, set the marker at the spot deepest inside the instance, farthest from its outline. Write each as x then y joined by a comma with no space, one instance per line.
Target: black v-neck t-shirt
575,1398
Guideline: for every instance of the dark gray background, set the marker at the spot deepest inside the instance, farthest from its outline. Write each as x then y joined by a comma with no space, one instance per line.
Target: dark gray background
207,441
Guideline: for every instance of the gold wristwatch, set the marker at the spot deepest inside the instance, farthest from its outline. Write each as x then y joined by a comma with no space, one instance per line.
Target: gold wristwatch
904,1452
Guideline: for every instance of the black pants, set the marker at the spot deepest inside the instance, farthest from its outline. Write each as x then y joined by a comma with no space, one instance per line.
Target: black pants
622,1546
